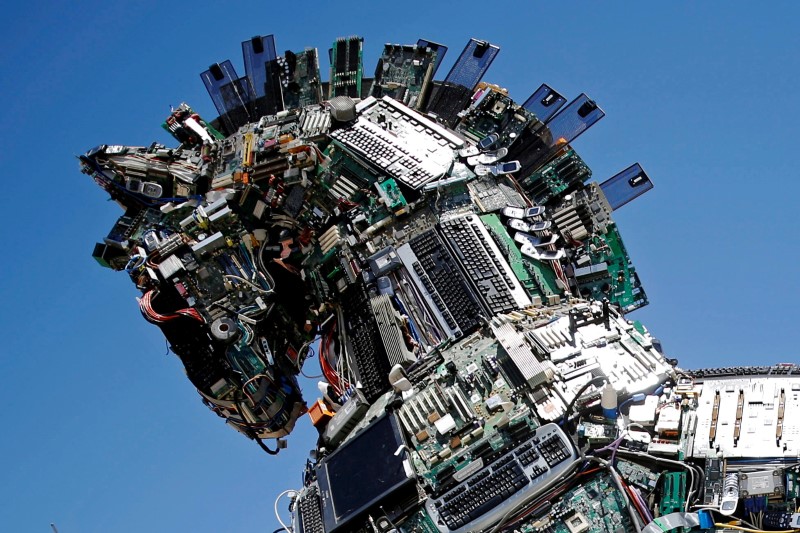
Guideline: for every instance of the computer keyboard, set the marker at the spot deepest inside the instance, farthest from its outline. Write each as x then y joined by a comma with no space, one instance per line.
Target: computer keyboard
489,273
436,274
309,511
368,350
399,141
203,367
516,475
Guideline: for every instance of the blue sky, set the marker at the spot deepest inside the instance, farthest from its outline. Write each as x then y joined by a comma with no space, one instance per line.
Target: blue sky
101,432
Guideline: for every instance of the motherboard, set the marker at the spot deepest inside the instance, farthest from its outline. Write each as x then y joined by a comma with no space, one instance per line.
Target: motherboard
442,253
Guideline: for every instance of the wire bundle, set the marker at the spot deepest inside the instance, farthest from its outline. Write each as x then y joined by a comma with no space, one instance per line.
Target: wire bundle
153,316
331,375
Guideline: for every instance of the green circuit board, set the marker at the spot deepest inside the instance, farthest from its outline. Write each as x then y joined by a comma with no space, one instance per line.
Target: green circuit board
561,174
498,114
346,67
478,391
302,85
618,280
596,506
404,73
673,492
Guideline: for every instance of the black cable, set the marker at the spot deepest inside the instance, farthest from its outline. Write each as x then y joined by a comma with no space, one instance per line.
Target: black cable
265,447
251,432
571,405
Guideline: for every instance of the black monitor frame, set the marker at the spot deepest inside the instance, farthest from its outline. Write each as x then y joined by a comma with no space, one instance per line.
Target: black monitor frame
364,473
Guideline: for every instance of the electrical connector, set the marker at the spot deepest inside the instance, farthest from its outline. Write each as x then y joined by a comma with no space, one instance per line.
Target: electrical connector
706,519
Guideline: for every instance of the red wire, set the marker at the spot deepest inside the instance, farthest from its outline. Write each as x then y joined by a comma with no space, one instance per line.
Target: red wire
330,374
146,306
634,500
323,362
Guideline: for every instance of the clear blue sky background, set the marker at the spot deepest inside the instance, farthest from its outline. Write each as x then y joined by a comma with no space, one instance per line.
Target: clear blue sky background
101,432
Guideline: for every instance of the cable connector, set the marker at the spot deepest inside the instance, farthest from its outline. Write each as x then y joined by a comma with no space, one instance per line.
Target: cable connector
706,519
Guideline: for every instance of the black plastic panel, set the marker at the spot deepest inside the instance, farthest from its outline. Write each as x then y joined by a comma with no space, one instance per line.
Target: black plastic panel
574,119
628,185
255,61
544,102
232,96
472,64
440,50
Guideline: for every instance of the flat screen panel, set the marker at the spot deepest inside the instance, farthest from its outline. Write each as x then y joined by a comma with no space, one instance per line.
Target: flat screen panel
364,471
236,94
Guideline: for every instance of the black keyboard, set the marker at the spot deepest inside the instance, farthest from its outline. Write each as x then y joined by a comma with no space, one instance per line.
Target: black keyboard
486,496
487,270
368,350
448,99
730,371
438,272
310,513
203,366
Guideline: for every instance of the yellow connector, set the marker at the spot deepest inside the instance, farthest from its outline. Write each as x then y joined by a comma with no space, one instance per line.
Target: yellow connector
247,150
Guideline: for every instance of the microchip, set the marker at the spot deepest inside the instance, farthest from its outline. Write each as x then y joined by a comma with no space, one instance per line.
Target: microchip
493,403
539,394
445,424
294,201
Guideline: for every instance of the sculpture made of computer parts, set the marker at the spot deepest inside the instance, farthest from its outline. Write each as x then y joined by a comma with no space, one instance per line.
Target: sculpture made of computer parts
442,251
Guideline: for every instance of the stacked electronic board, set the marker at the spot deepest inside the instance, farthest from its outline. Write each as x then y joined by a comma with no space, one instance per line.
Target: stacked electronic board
440,249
